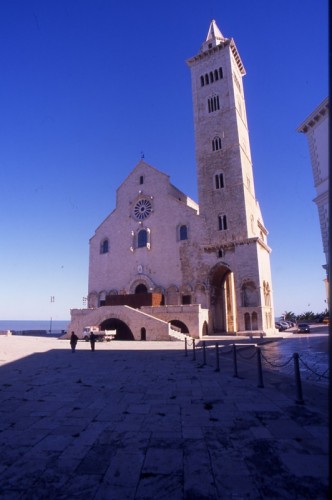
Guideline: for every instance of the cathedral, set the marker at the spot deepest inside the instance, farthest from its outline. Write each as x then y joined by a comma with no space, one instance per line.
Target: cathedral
160,264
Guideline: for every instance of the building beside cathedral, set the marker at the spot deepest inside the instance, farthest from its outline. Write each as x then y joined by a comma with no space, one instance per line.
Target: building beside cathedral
316,127
160,262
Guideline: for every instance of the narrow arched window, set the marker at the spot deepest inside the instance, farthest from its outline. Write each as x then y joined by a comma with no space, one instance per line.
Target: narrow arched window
216,144
213,103
104,246
216,76
254,321
183,232
219,181
211,76
206,79
202,81
142,238
222,222
220,73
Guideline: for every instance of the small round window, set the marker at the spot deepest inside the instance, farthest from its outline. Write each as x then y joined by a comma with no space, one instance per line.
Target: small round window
142,209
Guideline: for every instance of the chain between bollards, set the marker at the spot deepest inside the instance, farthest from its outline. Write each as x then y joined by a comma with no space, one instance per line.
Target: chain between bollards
299,397
235,361
217,359
259,367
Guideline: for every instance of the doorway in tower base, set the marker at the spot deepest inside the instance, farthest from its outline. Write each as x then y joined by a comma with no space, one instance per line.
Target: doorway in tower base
123,331
222,300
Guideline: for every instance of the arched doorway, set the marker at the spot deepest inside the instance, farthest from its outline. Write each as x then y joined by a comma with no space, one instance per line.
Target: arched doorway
123,331
141,288
222,299
205,329
179,324
143,333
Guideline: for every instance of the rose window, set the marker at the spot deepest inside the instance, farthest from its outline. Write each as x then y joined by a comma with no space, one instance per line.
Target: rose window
142,209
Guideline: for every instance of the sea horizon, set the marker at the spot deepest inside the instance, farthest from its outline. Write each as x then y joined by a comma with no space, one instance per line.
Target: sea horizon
54,325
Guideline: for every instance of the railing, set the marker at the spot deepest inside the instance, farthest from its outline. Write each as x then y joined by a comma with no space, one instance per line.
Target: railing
248,352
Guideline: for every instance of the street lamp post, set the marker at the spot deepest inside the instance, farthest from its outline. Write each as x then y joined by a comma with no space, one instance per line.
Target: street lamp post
52,302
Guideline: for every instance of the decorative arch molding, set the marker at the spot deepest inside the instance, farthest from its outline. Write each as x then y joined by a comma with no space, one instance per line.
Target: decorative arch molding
200,287
220,267
186,288
142,279
186,293
102,298
249,293
93,299
201,296
172,295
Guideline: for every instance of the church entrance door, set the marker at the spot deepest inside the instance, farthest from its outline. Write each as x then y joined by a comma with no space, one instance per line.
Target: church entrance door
222,300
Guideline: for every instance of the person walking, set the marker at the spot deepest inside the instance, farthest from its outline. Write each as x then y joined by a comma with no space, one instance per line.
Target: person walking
92,341
73,341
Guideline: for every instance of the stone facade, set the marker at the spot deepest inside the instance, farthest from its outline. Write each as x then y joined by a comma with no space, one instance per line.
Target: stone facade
210,261
316,128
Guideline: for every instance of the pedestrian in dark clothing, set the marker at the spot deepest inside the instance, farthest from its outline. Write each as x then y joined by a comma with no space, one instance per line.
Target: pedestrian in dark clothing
92,341
73,341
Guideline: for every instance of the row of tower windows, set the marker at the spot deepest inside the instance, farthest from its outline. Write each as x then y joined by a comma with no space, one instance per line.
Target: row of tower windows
142,238
213,104
211,77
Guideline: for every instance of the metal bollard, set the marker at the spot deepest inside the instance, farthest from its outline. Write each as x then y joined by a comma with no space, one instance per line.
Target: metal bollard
217,359
204,354
259,366
194,350
235,361
299,397
185,347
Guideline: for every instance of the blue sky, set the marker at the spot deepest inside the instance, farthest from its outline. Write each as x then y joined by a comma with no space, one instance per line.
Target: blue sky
87,85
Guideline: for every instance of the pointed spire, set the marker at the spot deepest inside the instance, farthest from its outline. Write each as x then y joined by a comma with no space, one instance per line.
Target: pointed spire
214,37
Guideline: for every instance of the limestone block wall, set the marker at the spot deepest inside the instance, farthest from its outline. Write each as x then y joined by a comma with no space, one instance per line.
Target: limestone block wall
156,328
125,264
193,316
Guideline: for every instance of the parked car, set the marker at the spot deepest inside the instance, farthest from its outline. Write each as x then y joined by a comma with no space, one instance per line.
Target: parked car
303,328
285,324
280,327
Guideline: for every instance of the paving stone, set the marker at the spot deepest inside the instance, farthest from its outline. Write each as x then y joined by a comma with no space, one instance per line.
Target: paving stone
100,424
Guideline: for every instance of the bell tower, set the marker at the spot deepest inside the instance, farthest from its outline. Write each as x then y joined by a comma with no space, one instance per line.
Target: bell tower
224,170
226,191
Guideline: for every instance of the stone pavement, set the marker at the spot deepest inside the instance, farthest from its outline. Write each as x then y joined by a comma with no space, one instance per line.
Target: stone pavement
140,420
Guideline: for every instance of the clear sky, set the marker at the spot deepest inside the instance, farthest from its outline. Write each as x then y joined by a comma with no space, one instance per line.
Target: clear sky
87,85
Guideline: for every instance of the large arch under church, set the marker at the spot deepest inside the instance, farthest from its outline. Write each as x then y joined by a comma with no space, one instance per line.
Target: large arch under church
123,331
